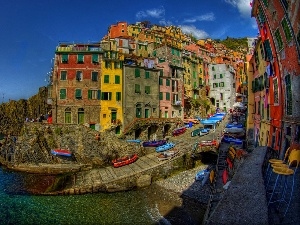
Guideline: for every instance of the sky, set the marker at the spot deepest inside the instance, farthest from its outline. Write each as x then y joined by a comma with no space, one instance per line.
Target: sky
30,30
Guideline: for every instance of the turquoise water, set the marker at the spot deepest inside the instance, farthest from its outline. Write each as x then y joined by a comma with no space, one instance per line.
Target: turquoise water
151,205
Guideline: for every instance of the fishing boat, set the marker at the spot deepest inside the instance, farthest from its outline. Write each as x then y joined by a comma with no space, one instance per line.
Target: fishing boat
202,176
134,140
179,131
165,147
125,160
154,143
167,155
230,139
61,152
199,132
236,125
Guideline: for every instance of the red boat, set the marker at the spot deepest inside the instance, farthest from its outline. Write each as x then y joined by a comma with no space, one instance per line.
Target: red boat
124,161
178,131
60,151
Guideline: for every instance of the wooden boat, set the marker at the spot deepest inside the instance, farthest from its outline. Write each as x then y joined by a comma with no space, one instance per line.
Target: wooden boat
230,139
194,121
202,176
61,152
236,125
199,132
154,143
134,140
165,147
209,143
167,155
124,161
178,131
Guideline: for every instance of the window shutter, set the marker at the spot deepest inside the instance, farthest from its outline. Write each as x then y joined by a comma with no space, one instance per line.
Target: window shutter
89,94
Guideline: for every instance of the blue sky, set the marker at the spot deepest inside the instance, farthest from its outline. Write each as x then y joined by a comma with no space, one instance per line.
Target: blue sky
31,29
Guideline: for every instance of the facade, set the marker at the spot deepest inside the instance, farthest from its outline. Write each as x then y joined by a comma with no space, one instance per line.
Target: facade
111,82
75,89
140,91
222,85
170,92
280,33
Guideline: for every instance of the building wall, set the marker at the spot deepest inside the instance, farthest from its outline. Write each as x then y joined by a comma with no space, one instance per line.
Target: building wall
137,103
111,113
84,106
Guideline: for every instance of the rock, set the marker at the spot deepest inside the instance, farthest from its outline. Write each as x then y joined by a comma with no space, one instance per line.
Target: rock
143,181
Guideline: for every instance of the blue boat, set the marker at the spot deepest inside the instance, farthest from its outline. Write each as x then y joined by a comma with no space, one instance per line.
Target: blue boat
202,176
134,141
230,139
165,147
235,125
154,143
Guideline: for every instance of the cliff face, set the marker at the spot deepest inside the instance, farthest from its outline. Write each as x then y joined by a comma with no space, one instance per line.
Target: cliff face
14,113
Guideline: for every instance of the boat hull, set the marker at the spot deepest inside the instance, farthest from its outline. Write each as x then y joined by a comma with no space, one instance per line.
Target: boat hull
61,152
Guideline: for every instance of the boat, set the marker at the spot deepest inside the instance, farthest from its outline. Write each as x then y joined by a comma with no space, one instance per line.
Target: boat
125,160
167,155
165,147
230,139
134,140
199,132
194,121
209,143
234,130
179,131
154,143
202,176
236,125
61,152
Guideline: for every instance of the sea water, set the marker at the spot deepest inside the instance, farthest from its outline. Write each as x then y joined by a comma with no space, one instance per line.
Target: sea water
152,205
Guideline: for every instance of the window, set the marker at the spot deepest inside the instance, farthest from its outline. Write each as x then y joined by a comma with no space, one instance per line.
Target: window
95,58
107,65
160,81
221,75
215,85
117,79
137,88
80,58
64,58
168,96
276,94
118,96
147,74
286,29
63,93
161,73
215,76
94,76
213,68
147,113
288,95
106,96
167,82
106,79
79,75
68,118
161,96
63,75
278,40
268,50
94,94
147,89
137,72
78,94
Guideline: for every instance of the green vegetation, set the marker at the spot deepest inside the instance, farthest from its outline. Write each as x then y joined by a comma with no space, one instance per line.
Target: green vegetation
235,44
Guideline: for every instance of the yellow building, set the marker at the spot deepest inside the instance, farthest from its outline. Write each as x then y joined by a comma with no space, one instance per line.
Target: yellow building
111,91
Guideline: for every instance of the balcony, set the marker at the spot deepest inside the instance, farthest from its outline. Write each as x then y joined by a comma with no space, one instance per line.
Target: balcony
81,48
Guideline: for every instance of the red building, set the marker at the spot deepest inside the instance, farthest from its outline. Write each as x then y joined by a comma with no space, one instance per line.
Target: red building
278,22
75,90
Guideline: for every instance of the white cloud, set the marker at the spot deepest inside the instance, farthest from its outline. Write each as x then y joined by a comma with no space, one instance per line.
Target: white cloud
243,7
155,13
199,34
205,17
